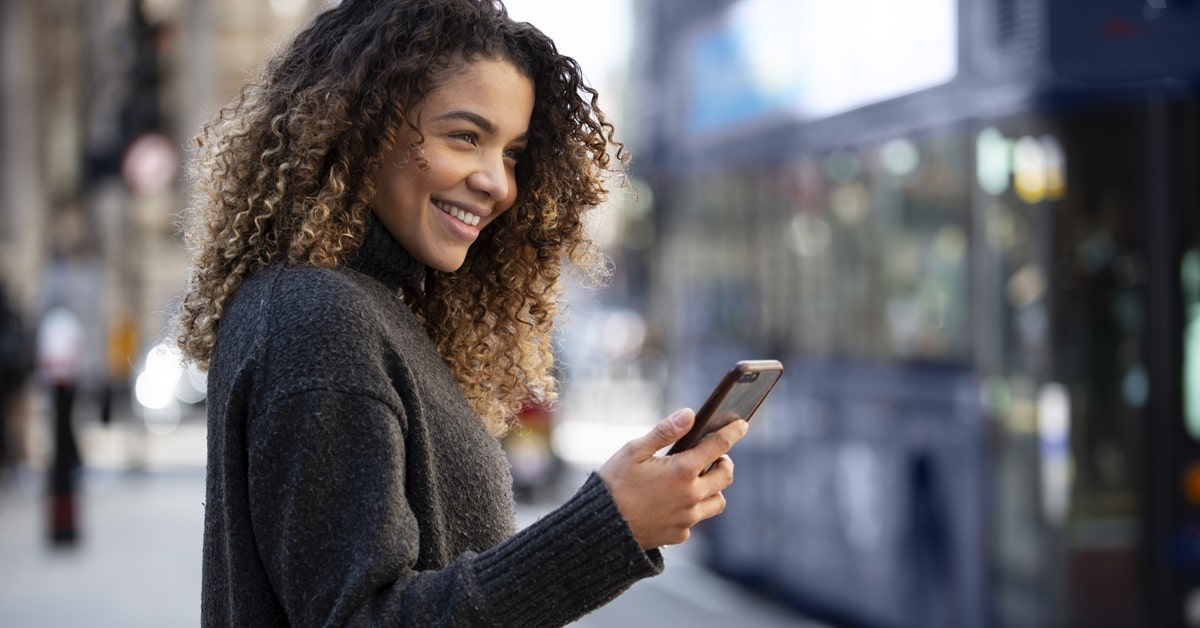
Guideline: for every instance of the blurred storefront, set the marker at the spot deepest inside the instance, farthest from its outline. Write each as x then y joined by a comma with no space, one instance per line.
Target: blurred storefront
99,101
968,228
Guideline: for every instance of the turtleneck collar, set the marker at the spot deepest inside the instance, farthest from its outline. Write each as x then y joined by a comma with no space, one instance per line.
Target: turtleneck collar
382,258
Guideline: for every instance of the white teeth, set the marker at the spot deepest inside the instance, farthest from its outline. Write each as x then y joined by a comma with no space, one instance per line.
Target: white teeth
470,219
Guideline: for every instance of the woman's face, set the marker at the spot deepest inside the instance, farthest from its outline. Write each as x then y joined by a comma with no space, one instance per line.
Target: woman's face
475,126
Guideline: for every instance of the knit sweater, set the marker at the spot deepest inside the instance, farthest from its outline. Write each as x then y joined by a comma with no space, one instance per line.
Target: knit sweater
350,482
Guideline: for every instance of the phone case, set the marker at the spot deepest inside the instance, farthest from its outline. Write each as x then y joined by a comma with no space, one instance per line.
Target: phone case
738,395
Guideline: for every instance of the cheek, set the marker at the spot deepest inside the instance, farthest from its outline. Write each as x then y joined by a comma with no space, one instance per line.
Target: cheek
394,185
438,174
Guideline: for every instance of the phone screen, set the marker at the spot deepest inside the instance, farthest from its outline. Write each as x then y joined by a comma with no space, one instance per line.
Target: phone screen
737,396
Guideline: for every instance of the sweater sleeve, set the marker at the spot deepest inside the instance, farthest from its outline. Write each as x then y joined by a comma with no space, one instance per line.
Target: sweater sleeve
339,541
583,552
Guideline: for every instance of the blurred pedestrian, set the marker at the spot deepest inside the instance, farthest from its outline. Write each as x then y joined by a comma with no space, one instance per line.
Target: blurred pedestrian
60,350
16,365
381,225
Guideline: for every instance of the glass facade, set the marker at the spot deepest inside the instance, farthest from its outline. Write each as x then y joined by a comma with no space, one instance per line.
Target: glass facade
1014,250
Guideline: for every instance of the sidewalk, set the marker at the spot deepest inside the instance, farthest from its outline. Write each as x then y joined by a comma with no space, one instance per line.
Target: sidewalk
137,560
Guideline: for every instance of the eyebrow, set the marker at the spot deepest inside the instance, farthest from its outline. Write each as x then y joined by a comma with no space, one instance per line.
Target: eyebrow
477,120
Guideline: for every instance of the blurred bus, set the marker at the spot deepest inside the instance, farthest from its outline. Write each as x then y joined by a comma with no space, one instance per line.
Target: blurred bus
971,231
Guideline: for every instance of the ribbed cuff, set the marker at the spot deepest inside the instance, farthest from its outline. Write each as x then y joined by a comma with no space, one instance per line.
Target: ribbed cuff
567,564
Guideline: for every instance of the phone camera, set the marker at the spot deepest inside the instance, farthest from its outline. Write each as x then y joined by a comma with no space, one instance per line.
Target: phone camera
748,377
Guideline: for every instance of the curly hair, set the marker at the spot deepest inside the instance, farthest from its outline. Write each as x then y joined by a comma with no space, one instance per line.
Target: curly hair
287,171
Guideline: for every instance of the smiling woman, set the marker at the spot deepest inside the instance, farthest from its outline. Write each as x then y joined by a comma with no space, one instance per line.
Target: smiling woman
470,133
379,232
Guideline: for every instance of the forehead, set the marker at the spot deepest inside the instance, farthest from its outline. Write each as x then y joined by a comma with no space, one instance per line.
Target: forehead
482,83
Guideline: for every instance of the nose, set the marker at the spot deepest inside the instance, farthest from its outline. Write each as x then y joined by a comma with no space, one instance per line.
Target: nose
495,177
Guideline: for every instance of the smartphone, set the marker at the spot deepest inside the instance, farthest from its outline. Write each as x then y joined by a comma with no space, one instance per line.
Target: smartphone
737,396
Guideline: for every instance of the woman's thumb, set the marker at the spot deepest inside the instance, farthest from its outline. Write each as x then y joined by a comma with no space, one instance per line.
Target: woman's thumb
669,430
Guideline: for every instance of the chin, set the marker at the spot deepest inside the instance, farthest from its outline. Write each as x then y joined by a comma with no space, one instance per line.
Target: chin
448,265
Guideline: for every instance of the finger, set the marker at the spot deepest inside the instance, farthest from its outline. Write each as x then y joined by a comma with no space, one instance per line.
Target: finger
721,469
718,478
711,507
664,433
718,443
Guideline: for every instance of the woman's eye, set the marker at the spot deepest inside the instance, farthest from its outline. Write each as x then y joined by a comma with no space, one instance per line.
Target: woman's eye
466,137
514,154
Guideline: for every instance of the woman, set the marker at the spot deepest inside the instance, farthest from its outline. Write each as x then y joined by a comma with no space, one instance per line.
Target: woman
378,235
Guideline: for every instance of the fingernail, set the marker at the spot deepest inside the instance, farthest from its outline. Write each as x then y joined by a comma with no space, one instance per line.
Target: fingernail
676,418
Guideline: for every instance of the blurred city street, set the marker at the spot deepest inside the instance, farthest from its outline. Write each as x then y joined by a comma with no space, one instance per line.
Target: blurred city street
140,523
968,228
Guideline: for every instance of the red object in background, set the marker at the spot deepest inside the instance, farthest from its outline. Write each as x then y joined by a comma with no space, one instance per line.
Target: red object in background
1119,27
62,519
534,465
535,415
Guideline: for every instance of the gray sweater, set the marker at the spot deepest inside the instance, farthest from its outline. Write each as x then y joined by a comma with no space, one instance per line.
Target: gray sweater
350,482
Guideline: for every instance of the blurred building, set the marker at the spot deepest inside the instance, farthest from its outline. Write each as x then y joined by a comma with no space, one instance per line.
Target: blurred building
970,230
99,101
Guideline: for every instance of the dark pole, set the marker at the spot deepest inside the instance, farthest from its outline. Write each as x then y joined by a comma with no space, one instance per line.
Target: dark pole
65,464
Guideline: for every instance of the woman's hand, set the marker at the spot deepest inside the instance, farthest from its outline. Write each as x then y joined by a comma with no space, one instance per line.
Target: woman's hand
662,497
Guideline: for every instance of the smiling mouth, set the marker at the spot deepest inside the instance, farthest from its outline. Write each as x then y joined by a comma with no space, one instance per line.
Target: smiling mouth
462,216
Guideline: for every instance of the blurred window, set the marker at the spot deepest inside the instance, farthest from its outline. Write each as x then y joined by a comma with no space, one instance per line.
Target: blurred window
878,240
